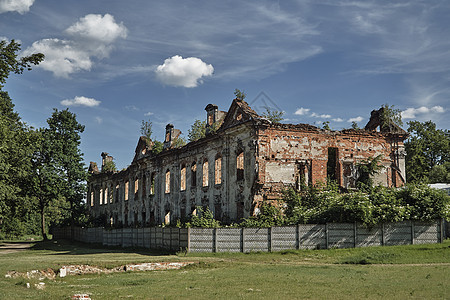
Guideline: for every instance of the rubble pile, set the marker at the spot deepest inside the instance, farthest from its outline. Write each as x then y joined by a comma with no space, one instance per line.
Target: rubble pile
87,269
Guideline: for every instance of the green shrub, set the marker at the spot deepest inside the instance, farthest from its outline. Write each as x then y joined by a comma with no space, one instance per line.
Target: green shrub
203,218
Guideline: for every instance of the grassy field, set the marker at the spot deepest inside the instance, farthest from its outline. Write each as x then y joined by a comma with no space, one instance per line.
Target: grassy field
415,272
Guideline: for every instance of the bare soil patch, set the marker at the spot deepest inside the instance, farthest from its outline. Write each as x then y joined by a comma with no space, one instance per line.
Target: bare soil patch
6,248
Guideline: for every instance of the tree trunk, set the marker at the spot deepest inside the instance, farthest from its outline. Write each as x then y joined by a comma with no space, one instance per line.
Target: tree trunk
44,235
72,222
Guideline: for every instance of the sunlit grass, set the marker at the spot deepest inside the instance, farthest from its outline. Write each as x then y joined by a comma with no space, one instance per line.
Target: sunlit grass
417,271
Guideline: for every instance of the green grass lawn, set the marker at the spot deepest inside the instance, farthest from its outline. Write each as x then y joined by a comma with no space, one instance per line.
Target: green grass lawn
415,272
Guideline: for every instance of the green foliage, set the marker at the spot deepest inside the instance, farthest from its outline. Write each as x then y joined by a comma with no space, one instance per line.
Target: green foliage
378,205
110,166
367,168
390,116
178,142
203,218
146,129
440,173
64,132
274,116
239,94
426,148
355,125
9,62
269,216
326,125
197,131
157,147
17,214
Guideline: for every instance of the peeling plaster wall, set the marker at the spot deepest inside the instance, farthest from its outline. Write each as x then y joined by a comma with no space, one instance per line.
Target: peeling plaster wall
229,201
275,156
284,151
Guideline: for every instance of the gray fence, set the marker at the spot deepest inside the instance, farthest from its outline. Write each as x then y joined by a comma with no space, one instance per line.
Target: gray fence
303,236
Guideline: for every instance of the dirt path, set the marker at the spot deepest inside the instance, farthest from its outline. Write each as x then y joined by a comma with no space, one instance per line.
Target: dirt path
6,248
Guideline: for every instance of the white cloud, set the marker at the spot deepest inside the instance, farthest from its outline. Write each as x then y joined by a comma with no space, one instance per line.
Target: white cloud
81,101
92,37
325,116
103,29
131,108
302,111
186,72
410,113
147,114
20,6
357,119
98,120
61,57
338,120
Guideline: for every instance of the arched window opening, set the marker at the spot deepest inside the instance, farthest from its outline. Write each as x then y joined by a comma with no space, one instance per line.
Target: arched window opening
152,184
205,174
194,174
126,190
183,178
167,181
136,188
240,166
218,170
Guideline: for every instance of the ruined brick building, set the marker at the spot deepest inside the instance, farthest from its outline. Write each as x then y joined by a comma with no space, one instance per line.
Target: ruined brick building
246,160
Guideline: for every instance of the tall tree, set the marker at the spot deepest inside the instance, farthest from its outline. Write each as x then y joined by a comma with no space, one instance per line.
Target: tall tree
45,179
426,148
64,132
15,145
9,62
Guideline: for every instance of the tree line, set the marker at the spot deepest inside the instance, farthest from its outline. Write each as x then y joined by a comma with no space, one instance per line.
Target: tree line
42,173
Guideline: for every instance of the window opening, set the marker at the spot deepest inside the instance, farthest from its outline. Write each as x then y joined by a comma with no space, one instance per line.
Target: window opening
218,170
240,166
205,173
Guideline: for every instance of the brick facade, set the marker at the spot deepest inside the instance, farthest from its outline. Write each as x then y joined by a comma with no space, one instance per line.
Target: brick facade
246,161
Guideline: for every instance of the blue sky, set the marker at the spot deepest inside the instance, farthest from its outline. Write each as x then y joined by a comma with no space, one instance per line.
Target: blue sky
116,63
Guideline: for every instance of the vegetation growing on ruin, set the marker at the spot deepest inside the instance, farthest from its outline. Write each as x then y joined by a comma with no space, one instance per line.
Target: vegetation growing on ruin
323,203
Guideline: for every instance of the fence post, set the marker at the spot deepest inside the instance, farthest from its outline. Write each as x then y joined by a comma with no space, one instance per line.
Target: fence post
326,235
215,240
188,239
242,239
297,236
412,232
442,225
382,234
271,239
355,226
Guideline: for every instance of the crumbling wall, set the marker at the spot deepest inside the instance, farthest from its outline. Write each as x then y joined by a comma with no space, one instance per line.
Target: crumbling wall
292,155
163,194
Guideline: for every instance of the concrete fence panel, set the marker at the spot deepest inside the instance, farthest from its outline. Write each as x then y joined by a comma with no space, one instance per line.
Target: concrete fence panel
303,236
341,235
201,240
228,239
255,239
399,233
427,233
284,238
369,236
312,236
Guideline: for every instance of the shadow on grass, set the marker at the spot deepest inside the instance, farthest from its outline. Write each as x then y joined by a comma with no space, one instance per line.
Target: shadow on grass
65,247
